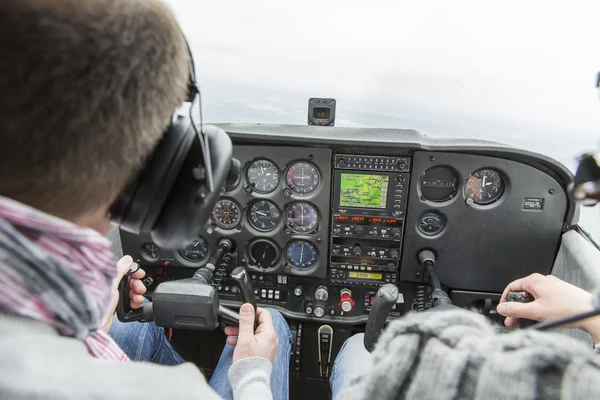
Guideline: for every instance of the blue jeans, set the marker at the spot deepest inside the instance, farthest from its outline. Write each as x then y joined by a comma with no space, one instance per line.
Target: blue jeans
144,341
351,362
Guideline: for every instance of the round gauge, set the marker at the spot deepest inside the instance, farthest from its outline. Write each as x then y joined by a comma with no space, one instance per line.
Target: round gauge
264,253
302,178
263,176
301,254
263,216
302,217
431,223
150,251
195,251
439,184
485,186
227,214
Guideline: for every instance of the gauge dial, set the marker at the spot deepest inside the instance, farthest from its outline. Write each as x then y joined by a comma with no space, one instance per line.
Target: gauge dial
264,253
263,176
485,186
302,217
302,178
227,214
264,216
150,251
301,254
431,223
195,251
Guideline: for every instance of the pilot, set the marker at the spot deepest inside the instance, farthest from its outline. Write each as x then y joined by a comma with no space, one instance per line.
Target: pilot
86,91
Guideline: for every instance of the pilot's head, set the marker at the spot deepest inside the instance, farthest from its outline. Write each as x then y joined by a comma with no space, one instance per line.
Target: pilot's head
86,90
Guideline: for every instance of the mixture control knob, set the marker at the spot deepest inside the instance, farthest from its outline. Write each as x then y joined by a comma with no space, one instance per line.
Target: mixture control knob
319,311
359,231
346,303
321,293
298,291
396,233
357,251
394,255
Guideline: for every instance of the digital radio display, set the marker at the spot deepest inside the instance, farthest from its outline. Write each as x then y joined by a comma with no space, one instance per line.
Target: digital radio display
364,190
365,275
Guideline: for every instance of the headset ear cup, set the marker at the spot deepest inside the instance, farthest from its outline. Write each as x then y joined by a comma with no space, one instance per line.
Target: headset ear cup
190,203
138,206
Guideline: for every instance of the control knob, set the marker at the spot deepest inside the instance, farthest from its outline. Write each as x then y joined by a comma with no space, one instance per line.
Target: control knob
396,233
308,308
319,310
298,291
391,267
358,231
148,281
321,293
357,251
342,162
394,255
346,303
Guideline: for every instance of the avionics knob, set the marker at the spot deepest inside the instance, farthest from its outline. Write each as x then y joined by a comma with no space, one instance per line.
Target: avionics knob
342,162
357,251
396,233
358,231
321,293
394,255
346,303
391,267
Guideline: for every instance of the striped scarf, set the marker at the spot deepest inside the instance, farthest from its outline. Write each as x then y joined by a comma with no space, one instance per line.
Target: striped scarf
58,273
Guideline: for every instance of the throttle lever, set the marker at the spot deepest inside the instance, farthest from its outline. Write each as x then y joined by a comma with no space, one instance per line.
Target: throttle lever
522,297
241,276
124,311
386,297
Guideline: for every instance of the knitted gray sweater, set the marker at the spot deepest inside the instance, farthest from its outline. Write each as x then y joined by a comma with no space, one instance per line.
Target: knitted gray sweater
459,355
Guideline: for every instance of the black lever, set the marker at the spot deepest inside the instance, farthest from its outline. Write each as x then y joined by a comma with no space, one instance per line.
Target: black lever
522,297
241,276
386,297
124,311
439,296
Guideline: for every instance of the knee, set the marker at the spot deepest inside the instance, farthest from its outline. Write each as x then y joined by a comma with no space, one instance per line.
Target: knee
280,324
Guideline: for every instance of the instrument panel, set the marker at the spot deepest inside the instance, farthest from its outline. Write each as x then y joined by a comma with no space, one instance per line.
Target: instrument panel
342,220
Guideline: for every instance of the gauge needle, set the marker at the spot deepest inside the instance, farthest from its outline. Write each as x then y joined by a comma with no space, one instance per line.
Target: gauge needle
301,254
261,213
483,179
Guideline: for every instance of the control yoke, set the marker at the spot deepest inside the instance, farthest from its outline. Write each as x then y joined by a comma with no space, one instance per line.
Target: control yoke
386,297
187,303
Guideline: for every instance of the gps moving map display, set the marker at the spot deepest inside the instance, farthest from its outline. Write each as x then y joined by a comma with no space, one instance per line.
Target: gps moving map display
363,190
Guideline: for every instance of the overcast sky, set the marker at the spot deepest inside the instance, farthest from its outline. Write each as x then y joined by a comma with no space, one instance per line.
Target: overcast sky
518,72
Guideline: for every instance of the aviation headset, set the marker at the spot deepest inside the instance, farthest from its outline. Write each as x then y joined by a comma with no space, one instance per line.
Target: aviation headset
175,191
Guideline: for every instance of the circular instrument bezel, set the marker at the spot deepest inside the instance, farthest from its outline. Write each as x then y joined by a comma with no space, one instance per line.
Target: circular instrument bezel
237,220
251,213
472,181
434,213
289,178
249,179
205,246
255,242
300,266
299,229
146,255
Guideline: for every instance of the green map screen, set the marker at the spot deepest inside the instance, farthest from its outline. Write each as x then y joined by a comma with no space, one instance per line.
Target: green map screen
362,190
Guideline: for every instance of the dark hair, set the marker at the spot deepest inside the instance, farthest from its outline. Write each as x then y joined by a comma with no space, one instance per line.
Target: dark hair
86,91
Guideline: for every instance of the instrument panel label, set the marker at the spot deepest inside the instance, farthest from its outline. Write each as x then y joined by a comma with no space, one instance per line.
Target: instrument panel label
533,203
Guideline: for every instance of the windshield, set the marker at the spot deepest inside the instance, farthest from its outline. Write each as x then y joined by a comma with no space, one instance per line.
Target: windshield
519,73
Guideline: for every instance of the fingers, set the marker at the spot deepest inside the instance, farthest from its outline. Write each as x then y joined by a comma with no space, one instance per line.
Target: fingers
246,329
231,331
136,287
232,340
526,284
518,310
136,300
139,274
265,322
123,266
511,322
